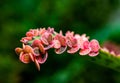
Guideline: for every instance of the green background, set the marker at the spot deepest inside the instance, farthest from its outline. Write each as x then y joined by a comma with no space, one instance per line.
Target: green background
99,19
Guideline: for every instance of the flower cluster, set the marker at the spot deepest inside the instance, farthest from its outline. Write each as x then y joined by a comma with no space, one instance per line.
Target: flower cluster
38,41
111,48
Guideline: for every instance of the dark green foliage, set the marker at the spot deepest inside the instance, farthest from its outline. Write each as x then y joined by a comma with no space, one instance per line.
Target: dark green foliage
97,18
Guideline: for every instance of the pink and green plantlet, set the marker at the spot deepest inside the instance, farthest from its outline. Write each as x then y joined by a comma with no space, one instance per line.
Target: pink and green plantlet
37,42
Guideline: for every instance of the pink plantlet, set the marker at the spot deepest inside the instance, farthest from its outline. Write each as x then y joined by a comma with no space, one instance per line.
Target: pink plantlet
85,48
62,43
38,41
72,42
94,45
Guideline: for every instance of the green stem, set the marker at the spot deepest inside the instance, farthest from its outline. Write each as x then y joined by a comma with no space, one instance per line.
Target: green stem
106,59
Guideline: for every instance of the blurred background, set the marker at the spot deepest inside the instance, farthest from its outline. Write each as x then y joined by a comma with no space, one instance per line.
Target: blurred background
99,19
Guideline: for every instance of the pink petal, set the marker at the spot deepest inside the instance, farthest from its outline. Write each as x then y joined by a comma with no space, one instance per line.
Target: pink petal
29,34
44,40
84,51
32,32
105,49
72,42
51,30
24,58
28,49
37,64
85,44
69,43
36,43
60,50
84,37
77,37
112,52
92,54
31,57
49,38
62,40
94,45
81,41
36,32
73,50
36,51
48,47
41,47
69,34
25,39
42,58
56,44
18,50
41,31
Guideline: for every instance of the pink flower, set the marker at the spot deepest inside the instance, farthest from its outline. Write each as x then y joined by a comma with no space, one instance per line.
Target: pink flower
50,30
40,55
94,45
39,58
25,53
25,39
112,48
47,39
32,33
81,39
29,35
38,41
72,42
60,43
85,48
91,48
36,53
83,44
41,31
